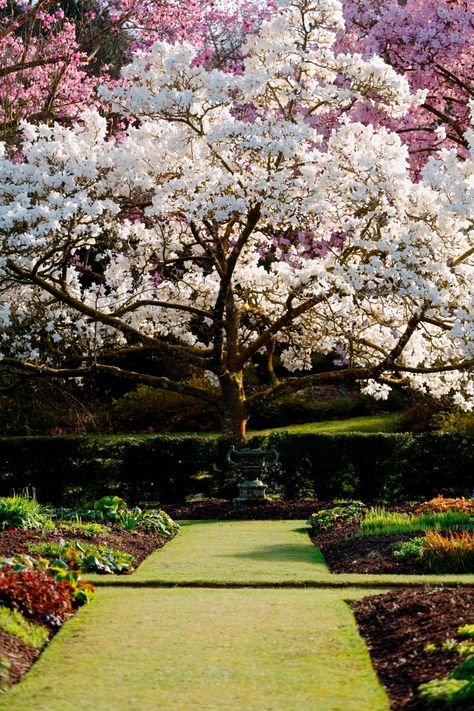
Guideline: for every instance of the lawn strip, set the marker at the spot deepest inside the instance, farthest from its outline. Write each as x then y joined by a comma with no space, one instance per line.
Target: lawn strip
233,551
257,650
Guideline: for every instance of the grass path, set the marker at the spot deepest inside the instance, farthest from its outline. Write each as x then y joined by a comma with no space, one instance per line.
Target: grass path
253,553
196,649
232,551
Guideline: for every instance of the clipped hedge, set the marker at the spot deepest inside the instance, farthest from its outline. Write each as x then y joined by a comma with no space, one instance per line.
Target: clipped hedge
167,468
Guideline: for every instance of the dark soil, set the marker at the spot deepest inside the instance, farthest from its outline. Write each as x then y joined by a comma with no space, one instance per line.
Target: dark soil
399,624
225,510
19,655
138,544
344,552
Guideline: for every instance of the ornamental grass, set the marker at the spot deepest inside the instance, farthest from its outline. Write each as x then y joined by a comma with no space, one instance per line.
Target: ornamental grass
449,554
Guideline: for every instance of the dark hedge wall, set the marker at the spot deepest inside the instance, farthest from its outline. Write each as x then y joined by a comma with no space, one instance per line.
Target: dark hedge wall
164,468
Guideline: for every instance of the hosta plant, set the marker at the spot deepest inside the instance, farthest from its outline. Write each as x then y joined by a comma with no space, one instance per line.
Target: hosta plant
84,557
326,518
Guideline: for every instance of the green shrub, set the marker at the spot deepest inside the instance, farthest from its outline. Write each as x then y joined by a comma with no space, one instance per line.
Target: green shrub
446,691
84,557
408,549
327,518
455,422
23,512
169,468
32,634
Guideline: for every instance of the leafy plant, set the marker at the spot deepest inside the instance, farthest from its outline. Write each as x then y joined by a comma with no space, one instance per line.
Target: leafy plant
37,595
381,522
326,518
14,623
408,549
158,521
110,507
23,512
80,590
449,554
85,557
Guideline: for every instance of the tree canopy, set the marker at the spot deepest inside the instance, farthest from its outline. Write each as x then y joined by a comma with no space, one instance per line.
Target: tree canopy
239,209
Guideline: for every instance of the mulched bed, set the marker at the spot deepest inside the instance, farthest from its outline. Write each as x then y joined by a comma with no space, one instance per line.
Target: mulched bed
19,655
225,510
346,553
139,544
399,624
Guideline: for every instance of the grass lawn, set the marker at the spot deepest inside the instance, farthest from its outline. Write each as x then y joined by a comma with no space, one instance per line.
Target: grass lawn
368,423
258,650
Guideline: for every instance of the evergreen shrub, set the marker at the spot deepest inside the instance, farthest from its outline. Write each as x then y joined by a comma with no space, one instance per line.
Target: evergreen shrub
167,468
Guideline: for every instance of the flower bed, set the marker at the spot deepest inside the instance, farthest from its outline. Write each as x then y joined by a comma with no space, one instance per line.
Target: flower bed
43,554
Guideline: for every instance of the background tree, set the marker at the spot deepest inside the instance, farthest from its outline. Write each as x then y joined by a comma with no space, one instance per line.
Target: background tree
228,218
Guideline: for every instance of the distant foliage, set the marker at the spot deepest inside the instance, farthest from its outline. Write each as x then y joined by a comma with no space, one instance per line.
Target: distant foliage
327,518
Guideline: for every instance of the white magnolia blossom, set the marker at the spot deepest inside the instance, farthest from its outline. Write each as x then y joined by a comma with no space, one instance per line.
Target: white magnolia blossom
239,211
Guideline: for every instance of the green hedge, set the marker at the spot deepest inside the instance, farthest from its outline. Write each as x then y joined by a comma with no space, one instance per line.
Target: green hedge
167,468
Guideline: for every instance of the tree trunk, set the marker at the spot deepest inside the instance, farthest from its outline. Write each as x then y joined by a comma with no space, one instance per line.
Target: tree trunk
233,408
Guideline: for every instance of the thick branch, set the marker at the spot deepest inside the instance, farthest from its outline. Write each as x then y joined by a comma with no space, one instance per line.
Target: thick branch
188,354
288,317
44,371
293,385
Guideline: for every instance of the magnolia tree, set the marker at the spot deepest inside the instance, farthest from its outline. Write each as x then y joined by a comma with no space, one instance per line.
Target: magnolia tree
430,42
237,213
54,55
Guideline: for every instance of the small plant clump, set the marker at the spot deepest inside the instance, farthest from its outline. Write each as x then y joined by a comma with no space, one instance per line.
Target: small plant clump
14,623
84,557
458,686
326,518
408,549
23,511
